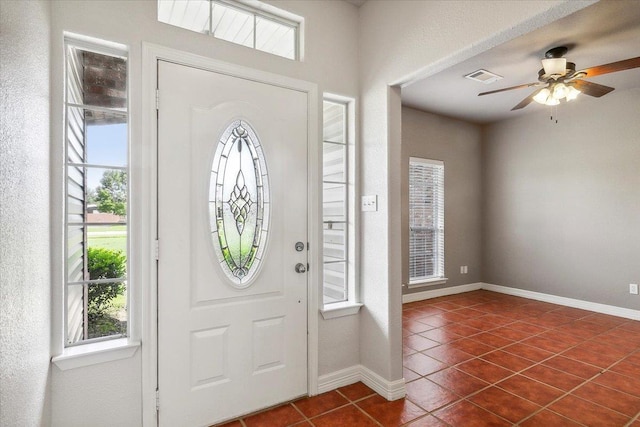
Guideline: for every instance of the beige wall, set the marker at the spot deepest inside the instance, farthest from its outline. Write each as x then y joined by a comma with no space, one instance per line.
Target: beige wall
25,281
458,145
562,201
115,392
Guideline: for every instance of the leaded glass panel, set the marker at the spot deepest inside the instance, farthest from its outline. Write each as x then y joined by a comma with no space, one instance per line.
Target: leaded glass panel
239,203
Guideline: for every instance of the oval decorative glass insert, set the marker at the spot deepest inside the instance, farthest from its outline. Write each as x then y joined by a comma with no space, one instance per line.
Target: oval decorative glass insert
239,203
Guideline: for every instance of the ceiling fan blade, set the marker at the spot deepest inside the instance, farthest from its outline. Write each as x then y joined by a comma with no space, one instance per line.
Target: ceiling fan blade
528,100
625,64
510,88
591,89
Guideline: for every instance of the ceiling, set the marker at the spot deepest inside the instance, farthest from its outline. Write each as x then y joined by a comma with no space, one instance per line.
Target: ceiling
605,32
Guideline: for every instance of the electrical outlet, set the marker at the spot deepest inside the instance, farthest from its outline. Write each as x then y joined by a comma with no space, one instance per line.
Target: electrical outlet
633,288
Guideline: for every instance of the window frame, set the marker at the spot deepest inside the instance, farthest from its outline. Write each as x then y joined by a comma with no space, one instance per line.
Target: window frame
256,9
439,239
351,305
117,340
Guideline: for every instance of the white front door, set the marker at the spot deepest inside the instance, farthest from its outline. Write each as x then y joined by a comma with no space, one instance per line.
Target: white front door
232,204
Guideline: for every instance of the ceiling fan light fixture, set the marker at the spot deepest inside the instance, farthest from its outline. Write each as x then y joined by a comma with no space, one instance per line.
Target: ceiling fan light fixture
554,66
560,90
542,96
572,93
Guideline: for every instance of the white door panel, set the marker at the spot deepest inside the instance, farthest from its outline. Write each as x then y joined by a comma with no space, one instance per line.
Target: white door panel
225,351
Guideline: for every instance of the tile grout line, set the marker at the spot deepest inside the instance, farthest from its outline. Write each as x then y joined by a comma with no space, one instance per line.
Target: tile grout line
300,412
608,328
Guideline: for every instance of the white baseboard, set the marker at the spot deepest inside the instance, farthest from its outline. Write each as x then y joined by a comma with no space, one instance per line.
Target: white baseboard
339,379
390,390
569,302
419,296
538,296
393,390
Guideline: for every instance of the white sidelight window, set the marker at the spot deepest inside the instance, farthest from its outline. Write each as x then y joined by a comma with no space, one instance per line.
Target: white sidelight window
426,221
96,193
335,202
253,24
340,268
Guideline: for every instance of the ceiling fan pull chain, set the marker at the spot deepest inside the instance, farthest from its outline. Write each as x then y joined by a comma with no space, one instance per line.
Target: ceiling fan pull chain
554,107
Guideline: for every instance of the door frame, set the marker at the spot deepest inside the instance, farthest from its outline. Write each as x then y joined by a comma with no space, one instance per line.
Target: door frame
151,54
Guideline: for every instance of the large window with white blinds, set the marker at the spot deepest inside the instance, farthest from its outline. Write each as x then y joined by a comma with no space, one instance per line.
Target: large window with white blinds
426,220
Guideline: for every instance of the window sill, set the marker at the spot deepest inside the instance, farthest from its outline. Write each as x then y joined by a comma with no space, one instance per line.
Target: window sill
93,354
340,309
427,282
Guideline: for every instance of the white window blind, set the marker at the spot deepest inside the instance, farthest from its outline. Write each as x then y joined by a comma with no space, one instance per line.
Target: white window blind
426,219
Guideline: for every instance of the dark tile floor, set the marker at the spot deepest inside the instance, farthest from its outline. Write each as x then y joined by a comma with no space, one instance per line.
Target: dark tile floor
488,359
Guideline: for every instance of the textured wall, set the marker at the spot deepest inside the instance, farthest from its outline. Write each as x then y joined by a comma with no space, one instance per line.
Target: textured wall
458,145
562,201
120,406
25,300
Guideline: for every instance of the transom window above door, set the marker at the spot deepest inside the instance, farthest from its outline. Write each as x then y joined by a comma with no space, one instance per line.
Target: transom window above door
254,25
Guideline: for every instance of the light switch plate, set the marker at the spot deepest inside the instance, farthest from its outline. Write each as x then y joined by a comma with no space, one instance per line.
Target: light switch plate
369,203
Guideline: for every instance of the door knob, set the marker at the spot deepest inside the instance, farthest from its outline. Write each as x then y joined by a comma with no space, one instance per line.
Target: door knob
300,268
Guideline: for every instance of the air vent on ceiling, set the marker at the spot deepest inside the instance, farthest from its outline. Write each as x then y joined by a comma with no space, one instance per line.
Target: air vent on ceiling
483,76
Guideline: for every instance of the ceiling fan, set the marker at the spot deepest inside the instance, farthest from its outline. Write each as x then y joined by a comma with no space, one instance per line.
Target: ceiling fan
558,79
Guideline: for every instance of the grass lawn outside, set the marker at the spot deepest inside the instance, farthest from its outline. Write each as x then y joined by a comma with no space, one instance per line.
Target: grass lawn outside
101,228
108,237
109,242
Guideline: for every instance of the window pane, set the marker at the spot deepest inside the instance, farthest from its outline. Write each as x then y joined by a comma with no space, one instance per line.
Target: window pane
334,202
76,297
106,138
107,309
98,137
334,158
422,253
95,79
190,14
276,38
96,310
76,271
335,284
75,74
334,248
334,121
107,252
75,194
106,195
232,25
